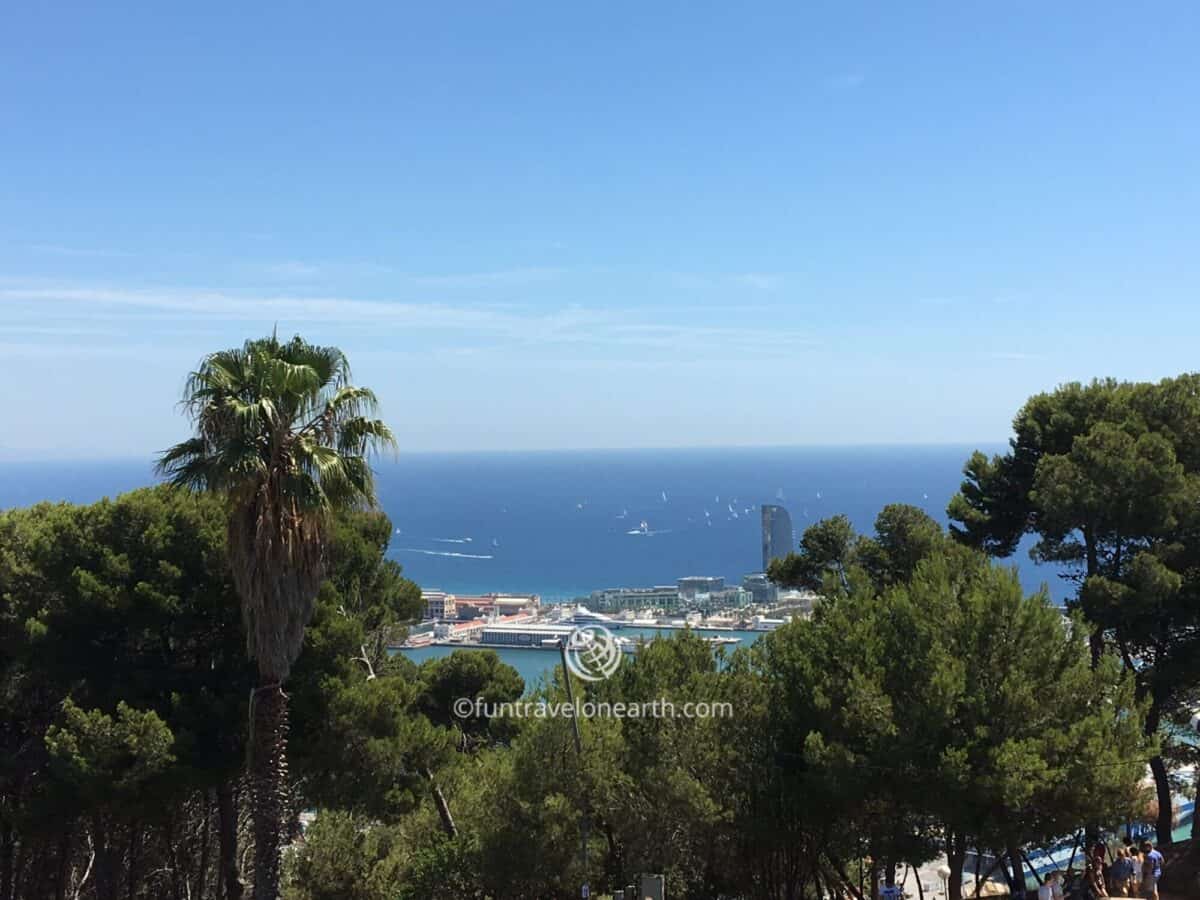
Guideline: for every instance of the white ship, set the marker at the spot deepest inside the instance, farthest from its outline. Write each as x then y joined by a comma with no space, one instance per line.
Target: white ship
584,616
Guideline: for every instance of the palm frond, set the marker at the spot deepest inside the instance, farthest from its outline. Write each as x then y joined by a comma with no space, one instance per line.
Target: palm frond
365,436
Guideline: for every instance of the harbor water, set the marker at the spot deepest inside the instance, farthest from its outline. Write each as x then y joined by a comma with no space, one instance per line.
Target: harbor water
533,663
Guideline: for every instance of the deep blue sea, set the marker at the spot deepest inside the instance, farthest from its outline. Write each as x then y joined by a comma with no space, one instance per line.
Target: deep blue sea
558,523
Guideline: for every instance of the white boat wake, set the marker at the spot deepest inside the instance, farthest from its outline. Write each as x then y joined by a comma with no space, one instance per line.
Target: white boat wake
449,553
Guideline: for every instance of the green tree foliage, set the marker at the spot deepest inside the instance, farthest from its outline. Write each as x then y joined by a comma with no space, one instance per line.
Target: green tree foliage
955,701
675,769
373,754
827,551
939,710
475,676
124,686
347,857
831,551
109,762
1106,476
124,601
384,745
366,587
343,857
109,768
933,705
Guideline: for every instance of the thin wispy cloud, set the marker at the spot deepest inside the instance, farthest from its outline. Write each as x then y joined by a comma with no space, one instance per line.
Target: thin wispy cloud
299,270
79,252
291,269
142,350
759,281
518,276
460,325
59,330
239,307
304,270
1012,355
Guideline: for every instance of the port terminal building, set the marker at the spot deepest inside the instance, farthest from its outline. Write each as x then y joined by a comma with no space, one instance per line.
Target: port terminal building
523,635
443,607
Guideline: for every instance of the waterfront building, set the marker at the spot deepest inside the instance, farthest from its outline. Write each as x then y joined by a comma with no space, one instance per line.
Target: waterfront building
694,585
762,623
497,604
507,604
761,589
472,629
616,599
458,631
439,606
730,598
778,539
795,602
528,635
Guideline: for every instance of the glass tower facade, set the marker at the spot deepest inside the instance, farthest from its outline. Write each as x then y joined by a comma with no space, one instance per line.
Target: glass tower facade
777,537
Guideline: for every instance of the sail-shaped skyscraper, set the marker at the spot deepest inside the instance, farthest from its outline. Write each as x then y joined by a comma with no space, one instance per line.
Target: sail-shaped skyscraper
777,537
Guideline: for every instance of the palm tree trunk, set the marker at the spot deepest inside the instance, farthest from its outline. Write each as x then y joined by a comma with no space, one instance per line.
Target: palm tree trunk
268,786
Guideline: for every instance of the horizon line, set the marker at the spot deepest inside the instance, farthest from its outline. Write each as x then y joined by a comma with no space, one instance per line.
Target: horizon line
46,455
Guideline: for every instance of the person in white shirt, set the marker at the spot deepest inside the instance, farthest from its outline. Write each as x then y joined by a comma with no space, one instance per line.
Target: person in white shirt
1051,888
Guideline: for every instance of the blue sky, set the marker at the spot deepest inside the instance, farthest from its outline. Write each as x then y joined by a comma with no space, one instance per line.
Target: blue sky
540,226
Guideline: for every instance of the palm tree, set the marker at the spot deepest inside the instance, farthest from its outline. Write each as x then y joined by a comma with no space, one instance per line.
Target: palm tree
283,436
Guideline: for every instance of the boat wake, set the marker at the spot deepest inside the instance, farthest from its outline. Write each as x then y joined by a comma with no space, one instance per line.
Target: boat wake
451,540
450,553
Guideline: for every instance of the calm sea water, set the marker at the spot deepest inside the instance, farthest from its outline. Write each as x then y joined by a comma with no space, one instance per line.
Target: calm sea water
558,523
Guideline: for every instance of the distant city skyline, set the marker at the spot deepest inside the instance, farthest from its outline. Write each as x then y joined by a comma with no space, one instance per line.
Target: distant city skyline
548,227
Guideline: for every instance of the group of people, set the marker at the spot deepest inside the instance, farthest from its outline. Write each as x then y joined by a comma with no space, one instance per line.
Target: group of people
1133,871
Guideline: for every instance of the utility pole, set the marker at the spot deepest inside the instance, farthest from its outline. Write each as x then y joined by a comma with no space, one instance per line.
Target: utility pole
585,891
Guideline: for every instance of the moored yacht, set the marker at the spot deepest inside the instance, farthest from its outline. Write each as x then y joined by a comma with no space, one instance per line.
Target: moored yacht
584,616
